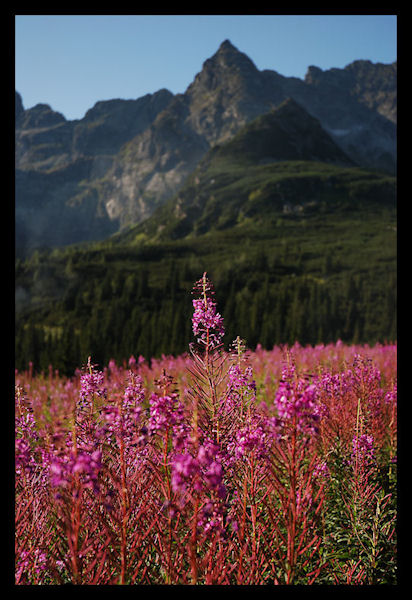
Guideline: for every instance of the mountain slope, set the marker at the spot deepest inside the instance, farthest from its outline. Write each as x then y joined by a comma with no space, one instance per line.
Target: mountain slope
282,162
61,167
288,132
125,158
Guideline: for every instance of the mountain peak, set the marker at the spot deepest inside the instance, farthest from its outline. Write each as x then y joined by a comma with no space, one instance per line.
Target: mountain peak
289,104
286,133
229,56
225,66
227,46
41,115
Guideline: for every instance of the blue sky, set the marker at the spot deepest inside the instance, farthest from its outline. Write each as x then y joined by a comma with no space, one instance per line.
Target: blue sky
72,61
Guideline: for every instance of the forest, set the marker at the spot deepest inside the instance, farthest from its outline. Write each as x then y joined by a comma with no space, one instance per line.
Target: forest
337,280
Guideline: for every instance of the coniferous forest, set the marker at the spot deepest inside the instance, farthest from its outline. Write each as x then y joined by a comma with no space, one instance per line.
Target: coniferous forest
115,301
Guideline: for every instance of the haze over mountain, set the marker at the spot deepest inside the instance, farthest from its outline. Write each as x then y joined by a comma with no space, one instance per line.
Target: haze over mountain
86,179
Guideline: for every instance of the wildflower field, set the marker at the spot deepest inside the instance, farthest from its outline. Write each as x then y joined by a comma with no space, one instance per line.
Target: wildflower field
215,467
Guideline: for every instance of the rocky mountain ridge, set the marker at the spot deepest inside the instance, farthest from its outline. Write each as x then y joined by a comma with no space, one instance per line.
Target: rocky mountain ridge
85,179
282,162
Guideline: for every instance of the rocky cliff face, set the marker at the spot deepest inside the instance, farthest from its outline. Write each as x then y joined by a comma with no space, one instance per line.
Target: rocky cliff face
85,179
357,106
63,169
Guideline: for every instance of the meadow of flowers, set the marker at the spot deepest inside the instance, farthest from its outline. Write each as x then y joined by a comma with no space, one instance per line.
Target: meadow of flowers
217,467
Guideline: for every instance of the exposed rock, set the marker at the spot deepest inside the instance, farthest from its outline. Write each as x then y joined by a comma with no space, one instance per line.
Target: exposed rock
288,132
126,157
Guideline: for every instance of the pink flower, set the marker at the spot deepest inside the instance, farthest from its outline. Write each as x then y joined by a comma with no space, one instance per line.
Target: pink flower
321,470
296,398
207,323
252,438
23,456
363,453
91,384
86,465
184,468
203,472
165,411
392,395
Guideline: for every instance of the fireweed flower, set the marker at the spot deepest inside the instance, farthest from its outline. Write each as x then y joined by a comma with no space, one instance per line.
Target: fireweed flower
31,563
40,564
392,395
89,466
181,433
321,470
91,384
367,383
338,385
25,426
321,411
363,453
123,418
207,323
25,423
241,381
250,439
203,471
86,465
241,387
213,476
165,411
23,563
212,519
25,435
184,469
297,399
23,456
134,393
60,472
366,374
254,438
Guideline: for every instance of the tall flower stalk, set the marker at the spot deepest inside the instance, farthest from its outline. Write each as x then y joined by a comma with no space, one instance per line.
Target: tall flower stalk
292,473
208,329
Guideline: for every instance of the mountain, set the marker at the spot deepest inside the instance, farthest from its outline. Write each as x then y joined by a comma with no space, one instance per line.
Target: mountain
61,166
299,241
287,132
281,162
87,179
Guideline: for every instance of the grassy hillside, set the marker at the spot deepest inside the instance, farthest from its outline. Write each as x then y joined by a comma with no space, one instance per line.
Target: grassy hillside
222,194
